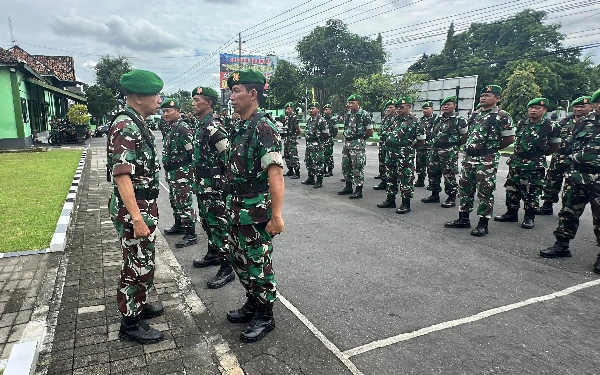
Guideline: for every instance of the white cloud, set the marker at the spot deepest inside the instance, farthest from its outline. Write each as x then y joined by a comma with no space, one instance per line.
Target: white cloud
90,65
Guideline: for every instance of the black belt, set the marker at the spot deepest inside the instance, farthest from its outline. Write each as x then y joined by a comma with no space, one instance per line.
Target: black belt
444,145
247,188
172,166
142,195
530,154
588,169
481,152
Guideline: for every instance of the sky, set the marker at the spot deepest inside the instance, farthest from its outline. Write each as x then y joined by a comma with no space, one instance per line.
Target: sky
181,42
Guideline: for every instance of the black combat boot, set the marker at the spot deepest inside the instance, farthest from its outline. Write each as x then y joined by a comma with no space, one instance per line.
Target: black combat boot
382,185
309,181
152,310
420,181
546,209
176,228
210,259
404,207
342,179
296,174
482,227
329,172
188,239
528,219
224,275
560,249
597,265
462,221
347,190
434,198
137,330
357,193
319,182
262,323
390,202
378,177
245,313
511,215
450,202
290,173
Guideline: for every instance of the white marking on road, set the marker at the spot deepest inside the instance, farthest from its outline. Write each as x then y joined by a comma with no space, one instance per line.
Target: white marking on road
469,319
163,185
331,346
90,309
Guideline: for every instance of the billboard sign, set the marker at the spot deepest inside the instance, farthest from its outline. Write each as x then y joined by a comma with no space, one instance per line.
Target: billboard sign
465,88
229,62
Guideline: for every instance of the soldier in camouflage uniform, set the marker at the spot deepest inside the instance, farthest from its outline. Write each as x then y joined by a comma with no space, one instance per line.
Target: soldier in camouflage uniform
227,121
190,120
447,134
582,184
177,162
490,130
422,153
333,132
402,137
163,127
290,142
256,189
536,137
357,130
560,162
316,134
211,144
388,119
134,168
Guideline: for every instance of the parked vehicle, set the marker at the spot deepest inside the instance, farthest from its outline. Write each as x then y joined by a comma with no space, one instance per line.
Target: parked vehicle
102,130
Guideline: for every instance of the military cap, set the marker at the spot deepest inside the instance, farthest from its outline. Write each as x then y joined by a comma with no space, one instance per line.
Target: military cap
492,89
389,102
327,106
448,99
239,77
354,98
538,101
596,96
141,82
404,100
289,104
206,91
582,100
170,103
314,105
427,104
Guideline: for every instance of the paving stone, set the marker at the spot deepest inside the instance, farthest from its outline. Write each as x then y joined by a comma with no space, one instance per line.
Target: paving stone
90,340
65,327
64,335
200,365
99,369
90,359
62,354
7,349
8,319
127,364
62,345
83,332
4,331
23,316
163,345
91,349
88,323
167,367
16,332
162,356
122,353
137,371
60,367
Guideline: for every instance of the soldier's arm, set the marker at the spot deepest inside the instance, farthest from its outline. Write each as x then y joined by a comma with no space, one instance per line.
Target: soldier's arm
507,141
127,194
187,140
554,139
368,127
463,130
507,132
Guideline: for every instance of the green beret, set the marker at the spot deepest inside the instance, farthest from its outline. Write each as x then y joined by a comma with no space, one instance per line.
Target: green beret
247,76
389,103
141,82
327,106
206,91
354,98
538,101
582,100
448,99
427,105
170,103
493,89
289,105
596,96
404,100
314,105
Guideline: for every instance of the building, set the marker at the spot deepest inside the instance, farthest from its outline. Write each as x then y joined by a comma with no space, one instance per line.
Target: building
33,90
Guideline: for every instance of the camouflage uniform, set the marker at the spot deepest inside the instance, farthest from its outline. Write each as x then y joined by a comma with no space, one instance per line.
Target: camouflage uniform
353,152
385,125
559,164
481,161
177,163
422,153
332,127
163,127
191,123
128,153
402,134
290,143
228,124
253,150
316,133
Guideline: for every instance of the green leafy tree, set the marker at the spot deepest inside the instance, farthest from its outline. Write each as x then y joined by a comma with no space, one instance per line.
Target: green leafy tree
378,88
286,85
521,88
78,114
109,71
185,100
101,101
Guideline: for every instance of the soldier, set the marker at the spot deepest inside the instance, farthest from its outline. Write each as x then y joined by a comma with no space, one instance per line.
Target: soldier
402,137
560,162
226,120
536,137
422,153
163,127
210,148
256,189
447,137
490,130
190,120
388,118
316,133
581,184
134,169
290,142
357,130
333,132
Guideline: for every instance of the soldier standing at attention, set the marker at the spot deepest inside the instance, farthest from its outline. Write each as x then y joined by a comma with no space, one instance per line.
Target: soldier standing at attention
226,120
290,142
357,130
447,137
316,133
403,136
255,190
134,170
333,132
490,130
582,184
422,152
561,162
535,138
211,144
388,118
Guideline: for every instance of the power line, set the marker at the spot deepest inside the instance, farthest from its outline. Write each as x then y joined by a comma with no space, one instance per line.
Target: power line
279,15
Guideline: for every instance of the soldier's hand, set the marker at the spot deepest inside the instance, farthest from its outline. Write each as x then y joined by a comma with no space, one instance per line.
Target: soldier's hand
140,229
275,226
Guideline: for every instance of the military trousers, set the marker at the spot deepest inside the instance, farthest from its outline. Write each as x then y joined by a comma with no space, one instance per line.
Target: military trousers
181,196
290,154
478,175
381,158
329,154
443,162
314,159
214,222
251,250
400,171
524,185
555,176
353,165
421,161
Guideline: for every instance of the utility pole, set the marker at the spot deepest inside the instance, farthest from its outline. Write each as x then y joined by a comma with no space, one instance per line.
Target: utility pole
12,37
240,50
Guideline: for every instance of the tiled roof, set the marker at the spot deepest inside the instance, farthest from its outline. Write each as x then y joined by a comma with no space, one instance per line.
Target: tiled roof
39,67
7,57
62,67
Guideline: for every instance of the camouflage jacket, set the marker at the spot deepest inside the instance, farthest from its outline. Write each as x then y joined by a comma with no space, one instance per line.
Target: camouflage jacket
404,132
291,128
252,152
532,139
177,143
191,122
331,126
426,124
385,127
483,135
448,130
355,129
316,130
211,144
566,127
228,124
584,141
128,152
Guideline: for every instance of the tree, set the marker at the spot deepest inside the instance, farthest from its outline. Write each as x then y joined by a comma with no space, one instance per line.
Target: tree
78,114
109,71
521,88
378,88
286,85
101,101
185,100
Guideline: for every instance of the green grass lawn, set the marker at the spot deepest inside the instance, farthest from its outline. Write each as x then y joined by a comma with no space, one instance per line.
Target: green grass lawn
33,189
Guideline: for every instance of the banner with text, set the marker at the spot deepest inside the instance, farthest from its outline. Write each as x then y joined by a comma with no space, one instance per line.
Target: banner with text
228,63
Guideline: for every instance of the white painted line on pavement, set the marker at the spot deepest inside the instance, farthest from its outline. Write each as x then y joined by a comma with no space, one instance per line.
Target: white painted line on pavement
469,319
163,185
